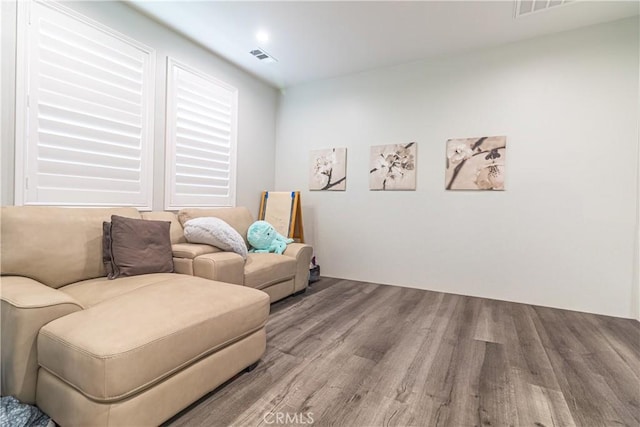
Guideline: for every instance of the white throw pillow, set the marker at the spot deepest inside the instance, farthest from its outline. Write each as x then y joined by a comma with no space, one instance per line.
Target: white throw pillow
215,232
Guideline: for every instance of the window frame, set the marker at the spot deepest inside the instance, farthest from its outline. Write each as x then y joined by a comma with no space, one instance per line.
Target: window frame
170,202
23,113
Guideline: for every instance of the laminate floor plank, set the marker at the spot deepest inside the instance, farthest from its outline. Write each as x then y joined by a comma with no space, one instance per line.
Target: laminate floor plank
526,350
359,354
496,406
490,323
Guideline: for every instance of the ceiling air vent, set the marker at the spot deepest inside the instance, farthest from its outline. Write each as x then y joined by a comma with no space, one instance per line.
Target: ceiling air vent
262,55
527,7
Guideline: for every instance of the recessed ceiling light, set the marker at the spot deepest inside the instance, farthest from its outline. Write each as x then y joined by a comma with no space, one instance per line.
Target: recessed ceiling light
262,36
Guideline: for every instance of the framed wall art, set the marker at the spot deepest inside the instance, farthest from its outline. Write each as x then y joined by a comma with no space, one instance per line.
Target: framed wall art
393,167
476,163
328,169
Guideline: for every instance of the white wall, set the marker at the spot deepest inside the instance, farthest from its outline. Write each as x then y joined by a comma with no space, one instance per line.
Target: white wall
258,101
7,100
635,297
563,232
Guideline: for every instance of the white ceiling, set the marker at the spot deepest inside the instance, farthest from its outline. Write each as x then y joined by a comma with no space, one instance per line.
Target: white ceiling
315,40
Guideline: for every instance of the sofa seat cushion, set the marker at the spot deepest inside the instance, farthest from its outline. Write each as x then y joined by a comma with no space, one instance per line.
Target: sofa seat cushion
128,343
192,250
265,269
94,291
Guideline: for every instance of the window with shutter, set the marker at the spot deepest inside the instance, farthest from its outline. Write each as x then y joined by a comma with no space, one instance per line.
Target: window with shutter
84,133
201,139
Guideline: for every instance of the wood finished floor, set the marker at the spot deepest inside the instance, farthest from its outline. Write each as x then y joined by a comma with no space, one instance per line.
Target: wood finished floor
359,354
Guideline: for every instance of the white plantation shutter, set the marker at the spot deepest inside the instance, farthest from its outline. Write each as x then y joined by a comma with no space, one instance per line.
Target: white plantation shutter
201,139
88,121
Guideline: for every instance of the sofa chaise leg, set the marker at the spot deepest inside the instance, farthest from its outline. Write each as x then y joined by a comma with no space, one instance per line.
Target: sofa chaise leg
251,367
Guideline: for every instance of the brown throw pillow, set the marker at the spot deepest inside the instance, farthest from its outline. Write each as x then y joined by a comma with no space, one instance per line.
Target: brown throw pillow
138,246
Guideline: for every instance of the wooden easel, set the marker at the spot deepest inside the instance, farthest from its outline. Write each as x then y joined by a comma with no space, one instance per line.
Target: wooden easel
283,210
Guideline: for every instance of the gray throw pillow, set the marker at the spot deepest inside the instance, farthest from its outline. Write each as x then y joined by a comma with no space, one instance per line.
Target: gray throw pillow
215,232
136,246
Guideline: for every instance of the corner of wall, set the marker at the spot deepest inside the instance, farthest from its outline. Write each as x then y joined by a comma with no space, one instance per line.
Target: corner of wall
8,17
635,293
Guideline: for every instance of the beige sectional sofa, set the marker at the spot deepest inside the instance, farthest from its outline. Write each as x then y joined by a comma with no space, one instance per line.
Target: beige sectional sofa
134,350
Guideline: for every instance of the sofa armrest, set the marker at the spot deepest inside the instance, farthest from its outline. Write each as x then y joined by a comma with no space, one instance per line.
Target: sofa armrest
302,253
26,305
221,266
192,250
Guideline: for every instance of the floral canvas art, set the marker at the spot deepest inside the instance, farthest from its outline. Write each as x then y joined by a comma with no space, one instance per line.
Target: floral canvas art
476,163
328,169
393,167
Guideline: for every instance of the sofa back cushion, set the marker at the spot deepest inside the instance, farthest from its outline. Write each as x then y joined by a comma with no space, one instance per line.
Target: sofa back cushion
177,233
55,246
239,218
